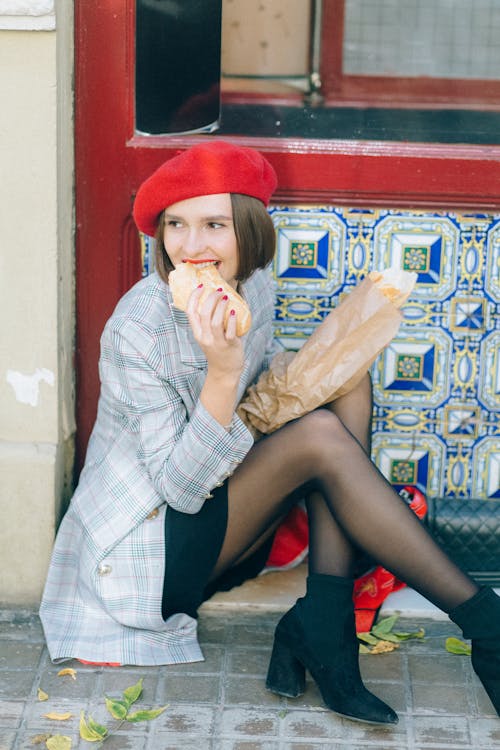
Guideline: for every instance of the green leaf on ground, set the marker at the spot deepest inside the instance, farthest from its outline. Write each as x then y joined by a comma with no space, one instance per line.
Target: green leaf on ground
117,708
420,633
132,693
95,727
383,639
385,635
385,626
368,638
146,715
90,730
454,646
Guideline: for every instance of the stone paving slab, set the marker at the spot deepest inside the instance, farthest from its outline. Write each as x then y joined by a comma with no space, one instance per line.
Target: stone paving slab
222,703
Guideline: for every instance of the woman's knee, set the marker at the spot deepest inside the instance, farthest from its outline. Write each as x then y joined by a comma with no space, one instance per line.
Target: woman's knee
325,440
324,430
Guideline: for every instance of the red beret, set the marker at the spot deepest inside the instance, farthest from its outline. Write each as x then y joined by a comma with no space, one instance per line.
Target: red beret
205,169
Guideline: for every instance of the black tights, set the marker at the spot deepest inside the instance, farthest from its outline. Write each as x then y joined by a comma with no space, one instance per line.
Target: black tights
351,507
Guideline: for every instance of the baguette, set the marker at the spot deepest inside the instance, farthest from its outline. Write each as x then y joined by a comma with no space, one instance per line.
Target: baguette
188,276
394,283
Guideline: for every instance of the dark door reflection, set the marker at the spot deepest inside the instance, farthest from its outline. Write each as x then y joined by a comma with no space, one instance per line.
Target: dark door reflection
178,44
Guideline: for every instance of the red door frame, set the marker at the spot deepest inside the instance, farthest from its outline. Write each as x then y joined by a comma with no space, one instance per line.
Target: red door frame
111,162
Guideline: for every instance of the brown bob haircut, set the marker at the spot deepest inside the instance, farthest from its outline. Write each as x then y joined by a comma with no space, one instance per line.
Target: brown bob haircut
255,237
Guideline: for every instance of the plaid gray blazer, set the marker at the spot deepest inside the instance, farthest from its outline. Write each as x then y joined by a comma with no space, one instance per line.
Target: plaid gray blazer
153,444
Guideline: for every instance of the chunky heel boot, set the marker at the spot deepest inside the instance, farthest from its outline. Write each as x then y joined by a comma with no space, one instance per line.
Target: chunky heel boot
479,619
319,634
286,675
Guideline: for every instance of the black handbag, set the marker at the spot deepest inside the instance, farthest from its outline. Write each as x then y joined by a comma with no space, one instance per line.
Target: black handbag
469,532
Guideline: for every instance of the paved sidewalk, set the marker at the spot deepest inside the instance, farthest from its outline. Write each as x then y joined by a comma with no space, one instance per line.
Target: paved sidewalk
222,704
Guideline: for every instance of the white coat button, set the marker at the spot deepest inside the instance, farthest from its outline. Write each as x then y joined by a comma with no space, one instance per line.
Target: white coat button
104,569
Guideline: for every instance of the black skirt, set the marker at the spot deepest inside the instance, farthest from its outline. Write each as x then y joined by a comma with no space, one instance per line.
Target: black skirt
192,546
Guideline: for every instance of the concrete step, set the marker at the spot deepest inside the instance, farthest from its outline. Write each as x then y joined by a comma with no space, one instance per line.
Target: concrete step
277,592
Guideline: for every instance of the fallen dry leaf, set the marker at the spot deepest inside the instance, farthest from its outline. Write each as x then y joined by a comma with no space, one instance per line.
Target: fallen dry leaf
384,647
67,671
58,717
42,695
39,738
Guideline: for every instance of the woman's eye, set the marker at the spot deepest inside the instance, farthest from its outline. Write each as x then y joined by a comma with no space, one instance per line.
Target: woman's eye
173,223
215,225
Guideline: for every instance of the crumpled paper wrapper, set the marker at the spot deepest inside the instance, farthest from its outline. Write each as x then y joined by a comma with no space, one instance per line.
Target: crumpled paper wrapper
334,358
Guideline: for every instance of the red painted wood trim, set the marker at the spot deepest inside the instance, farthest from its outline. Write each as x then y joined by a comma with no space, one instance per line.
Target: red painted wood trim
332,42
102,198
370,172
415,93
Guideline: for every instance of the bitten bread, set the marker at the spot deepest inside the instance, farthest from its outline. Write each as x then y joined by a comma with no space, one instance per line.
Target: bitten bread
188,276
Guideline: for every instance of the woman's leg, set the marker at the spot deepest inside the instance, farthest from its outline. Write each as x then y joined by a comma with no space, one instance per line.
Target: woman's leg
354,506
320,629
339,554
318,452
355,410
330,551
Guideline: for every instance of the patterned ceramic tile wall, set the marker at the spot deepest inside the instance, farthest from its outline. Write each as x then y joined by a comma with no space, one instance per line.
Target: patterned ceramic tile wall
437,385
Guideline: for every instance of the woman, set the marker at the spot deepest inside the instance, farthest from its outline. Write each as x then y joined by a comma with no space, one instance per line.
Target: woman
177,501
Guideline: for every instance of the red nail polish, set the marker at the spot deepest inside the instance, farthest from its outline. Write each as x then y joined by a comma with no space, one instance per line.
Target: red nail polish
225,297
219,289
199,286
233,312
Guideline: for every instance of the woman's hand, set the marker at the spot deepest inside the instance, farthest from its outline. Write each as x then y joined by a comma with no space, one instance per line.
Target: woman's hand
222,347
223,350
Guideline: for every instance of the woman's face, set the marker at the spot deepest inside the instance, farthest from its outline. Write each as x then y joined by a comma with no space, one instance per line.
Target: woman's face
202,229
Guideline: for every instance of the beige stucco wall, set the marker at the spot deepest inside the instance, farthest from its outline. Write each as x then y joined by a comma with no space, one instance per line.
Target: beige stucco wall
36,298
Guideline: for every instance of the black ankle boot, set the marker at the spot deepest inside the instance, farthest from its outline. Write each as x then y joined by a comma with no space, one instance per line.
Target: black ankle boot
479,619
319,634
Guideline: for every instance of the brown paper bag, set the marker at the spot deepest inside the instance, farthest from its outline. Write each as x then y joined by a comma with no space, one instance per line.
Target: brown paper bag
334,358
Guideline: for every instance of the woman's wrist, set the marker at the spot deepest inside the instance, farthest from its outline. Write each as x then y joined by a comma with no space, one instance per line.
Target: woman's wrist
223,379
219,395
